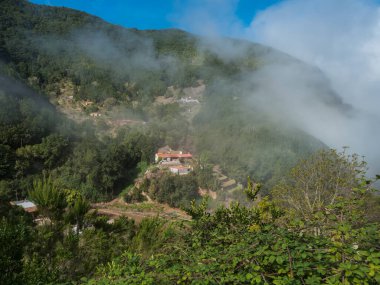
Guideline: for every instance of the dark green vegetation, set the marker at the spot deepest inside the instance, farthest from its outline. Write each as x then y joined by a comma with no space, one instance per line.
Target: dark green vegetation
319,225
336,242
35,139
175,190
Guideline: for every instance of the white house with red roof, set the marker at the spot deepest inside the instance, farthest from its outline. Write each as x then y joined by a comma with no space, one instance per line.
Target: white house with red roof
180,169
176,161
167,154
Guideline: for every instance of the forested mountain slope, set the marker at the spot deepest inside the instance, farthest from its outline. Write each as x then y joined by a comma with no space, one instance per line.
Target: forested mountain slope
84,106
75,58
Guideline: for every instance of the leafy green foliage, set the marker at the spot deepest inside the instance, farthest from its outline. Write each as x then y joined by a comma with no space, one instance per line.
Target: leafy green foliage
13,237
336,242
205,176
35,138
7,161
174,190
263,243
220,251
133,195
78,206
101,170
50,200
23,120
239,245
325,187
252,189
44,156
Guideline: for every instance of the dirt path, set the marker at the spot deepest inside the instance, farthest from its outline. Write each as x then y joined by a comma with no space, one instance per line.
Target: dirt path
117,208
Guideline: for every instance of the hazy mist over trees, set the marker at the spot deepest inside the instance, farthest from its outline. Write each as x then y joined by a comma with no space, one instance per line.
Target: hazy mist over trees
84,107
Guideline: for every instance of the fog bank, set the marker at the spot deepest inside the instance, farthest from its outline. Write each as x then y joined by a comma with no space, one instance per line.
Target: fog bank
342,40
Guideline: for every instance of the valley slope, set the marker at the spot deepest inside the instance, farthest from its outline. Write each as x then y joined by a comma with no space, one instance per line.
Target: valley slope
109,78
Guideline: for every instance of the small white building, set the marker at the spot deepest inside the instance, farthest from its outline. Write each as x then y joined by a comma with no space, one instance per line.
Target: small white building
188,100
180,169
177,162
27,205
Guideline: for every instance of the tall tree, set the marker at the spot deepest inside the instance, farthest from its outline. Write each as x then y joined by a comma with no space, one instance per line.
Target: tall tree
78,206
328,184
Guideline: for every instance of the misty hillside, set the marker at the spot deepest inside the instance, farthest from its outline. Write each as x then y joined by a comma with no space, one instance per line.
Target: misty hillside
127,74
163,157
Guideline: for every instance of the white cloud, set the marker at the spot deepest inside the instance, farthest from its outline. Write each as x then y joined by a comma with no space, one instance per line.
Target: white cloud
209,17
341,38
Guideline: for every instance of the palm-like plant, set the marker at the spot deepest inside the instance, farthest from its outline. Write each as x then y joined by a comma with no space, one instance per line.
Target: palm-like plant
51,201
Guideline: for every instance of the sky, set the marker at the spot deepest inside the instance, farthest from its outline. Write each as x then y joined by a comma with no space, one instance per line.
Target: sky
153,14
339,37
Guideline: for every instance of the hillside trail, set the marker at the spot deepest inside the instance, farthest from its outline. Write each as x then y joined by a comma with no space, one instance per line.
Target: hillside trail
138,211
